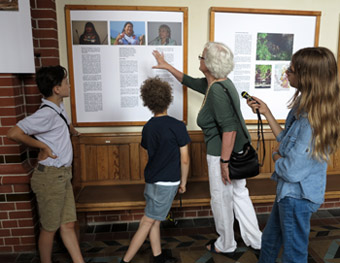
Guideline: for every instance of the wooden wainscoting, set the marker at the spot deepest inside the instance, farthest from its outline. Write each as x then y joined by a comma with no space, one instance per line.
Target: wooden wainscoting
108,172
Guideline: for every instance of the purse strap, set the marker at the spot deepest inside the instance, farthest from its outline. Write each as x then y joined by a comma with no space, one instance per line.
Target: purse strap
259,124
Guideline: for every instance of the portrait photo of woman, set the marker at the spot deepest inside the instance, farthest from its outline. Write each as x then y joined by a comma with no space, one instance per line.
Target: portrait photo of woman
164,37
89,32
127,35
164,34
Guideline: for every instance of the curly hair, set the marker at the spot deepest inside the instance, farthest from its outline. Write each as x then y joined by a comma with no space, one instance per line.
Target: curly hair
317,95
156,94
219,59
49,77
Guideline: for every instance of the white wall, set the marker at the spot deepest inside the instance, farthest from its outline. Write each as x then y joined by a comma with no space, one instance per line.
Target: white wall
198,34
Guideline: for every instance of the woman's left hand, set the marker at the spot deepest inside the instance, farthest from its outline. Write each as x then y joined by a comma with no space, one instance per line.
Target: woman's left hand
225,173
276,153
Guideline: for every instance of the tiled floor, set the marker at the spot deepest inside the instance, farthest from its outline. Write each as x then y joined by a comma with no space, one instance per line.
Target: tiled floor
186,241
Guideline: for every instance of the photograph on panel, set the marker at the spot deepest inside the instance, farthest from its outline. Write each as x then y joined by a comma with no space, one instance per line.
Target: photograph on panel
89,32
127,33
263,76
164,33
9,5
274,46
281,82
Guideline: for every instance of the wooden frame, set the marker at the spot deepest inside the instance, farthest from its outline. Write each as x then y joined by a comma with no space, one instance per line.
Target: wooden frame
105,77
263,42
338,58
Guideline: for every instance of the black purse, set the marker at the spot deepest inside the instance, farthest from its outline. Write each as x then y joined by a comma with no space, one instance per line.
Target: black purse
245,164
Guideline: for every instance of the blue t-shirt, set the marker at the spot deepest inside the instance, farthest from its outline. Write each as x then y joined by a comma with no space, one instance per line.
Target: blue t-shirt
162,137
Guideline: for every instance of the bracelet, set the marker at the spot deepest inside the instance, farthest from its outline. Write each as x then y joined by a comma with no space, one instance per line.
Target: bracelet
273,154
224,161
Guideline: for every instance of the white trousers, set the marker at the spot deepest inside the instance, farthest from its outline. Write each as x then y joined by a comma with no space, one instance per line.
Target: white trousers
227,200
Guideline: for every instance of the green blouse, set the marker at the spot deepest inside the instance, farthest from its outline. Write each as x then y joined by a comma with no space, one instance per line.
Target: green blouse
217,114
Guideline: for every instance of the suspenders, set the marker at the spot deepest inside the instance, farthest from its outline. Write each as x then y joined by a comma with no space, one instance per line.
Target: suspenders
61,116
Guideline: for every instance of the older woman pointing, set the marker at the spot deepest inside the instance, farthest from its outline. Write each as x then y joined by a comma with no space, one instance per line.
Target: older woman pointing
222,134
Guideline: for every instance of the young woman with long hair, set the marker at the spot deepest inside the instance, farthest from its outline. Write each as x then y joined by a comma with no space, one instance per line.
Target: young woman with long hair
311,134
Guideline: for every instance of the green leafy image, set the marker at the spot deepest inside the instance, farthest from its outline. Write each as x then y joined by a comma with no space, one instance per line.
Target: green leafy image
274,46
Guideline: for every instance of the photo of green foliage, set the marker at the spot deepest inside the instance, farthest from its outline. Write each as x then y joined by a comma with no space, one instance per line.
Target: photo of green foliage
263,76
274,46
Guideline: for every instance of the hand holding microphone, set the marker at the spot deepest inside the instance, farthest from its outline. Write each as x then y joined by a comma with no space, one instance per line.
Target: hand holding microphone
257,105
246,95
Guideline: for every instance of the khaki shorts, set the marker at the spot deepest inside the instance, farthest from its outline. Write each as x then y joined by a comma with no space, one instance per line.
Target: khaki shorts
55,198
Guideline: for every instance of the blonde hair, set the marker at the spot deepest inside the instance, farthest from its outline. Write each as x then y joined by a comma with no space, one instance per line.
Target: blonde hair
318,95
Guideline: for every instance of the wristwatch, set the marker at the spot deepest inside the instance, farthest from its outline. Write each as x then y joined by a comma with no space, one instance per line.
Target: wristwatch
224,161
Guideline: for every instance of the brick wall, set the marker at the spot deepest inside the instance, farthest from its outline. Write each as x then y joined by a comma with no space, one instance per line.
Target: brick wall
19,97
136,215
93,218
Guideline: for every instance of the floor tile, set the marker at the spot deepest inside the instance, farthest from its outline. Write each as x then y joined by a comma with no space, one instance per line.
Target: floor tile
186,241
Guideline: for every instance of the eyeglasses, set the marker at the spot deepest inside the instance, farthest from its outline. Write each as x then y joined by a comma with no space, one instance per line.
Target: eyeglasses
290,70
200,57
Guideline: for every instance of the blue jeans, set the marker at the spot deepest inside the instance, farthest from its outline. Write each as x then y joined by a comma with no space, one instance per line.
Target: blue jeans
288,225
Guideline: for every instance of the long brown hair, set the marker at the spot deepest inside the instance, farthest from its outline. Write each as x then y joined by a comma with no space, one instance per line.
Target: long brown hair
318,95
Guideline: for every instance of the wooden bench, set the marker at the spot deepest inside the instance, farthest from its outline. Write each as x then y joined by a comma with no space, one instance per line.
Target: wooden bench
108,173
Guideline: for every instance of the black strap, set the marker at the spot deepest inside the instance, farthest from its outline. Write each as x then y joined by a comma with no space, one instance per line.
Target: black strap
61,115
259,124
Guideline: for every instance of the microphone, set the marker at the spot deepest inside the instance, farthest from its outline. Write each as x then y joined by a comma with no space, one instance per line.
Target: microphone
245,95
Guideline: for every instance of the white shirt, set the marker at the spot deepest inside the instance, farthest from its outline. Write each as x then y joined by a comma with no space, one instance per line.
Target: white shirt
48,127
129,40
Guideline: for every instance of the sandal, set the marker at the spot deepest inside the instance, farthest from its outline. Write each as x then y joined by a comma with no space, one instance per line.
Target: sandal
213,249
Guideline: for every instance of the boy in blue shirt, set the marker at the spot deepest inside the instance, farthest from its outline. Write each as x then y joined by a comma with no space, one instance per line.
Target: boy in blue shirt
166,140
51,180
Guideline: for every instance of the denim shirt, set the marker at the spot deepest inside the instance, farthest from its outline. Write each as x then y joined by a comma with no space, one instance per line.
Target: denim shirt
298,175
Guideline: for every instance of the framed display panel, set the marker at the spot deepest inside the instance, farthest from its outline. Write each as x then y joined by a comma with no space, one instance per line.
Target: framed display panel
110,56
16,45
263,42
